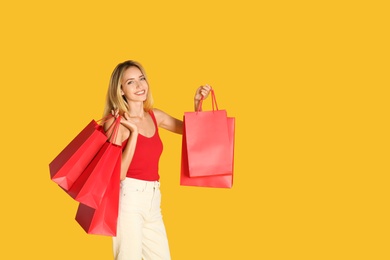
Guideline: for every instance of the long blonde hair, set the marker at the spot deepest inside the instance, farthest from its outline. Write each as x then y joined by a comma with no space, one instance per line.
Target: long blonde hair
114,98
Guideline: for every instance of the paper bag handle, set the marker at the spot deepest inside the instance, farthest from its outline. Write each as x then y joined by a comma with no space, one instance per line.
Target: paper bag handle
115,131
213,101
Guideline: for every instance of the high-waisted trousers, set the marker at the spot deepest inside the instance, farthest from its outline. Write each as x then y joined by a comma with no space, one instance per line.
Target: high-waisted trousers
140,231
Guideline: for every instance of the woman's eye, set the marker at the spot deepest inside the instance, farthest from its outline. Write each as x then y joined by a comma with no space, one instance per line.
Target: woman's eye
130,82
143,78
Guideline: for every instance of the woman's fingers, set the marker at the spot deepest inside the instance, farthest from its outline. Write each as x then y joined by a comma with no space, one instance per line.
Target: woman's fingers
126,116
115,112
202,92
205,90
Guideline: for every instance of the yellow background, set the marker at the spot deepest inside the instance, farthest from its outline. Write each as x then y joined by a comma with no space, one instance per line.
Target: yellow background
306,80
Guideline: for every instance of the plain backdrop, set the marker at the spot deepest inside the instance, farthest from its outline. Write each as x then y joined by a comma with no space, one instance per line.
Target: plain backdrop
308,84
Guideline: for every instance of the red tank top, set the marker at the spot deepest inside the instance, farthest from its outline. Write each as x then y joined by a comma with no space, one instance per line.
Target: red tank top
144,165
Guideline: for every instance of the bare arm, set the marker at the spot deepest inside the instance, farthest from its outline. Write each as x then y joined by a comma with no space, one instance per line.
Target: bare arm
168,122
123,132
128,153
173,124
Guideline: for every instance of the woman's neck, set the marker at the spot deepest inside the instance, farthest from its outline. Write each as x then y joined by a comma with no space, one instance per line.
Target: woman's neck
136,110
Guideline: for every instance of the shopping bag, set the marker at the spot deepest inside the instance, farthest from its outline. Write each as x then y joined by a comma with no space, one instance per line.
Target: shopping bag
214,181
67,166
91,185
207,141
103,219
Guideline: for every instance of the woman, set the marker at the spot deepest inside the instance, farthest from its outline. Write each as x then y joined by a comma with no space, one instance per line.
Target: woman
140,231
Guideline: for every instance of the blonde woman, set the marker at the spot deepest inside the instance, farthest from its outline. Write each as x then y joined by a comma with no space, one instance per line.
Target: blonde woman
140,232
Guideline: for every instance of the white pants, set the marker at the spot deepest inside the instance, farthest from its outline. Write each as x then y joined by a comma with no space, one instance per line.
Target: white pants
140,232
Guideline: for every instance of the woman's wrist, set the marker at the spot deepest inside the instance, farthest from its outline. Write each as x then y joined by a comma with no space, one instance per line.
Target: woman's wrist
134,132
196,103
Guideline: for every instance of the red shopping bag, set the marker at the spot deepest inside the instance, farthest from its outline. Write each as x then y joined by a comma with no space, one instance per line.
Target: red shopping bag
214,181
103,219
74,158
207,141
91,186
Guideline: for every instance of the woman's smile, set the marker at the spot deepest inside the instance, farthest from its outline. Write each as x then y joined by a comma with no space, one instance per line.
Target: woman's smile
142,92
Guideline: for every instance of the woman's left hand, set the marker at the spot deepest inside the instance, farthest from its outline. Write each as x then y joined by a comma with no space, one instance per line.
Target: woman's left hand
202,91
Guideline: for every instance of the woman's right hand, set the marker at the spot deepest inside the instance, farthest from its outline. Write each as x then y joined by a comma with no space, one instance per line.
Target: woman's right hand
126,122
115,113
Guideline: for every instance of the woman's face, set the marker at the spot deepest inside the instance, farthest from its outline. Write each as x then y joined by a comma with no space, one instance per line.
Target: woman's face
134,85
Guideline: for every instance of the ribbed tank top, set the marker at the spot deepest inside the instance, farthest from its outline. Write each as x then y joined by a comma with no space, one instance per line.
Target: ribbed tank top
144,165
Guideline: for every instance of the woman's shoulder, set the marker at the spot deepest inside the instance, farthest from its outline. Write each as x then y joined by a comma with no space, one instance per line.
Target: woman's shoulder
159,114
156,110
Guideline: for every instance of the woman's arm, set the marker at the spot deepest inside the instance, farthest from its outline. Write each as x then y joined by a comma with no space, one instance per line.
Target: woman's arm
173,124
202,91
168,122
123,132
128,152
109,126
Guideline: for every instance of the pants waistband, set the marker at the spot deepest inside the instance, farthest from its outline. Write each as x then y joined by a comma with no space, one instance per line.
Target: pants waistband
141,184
